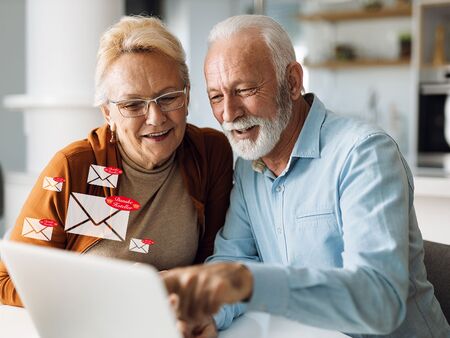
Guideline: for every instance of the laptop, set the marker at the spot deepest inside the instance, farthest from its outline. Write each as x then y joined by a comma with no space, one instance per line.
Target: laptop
79,296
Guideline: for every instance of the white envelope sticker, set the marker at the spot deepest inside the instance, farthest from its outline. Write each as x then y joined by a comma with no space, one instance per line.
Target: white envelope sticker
98,176
140,245
53,183
38,228
91,216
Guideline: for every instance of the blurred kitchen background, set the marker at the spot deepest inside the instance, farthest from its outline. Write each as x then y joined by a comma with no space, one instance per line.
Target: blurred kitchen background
386,61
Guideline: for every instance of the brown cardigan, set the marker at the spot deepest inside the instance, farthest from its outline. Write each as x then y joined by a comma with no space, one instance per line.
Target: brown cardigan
206,163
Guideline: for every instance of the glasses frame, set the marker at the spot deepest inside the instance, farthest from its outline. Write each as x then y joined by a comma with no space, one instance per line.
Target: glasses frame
148,101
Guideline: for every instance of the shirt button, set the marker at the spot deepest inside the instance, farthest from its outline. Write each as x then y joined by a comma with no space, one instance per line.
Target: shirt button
279,188
279,230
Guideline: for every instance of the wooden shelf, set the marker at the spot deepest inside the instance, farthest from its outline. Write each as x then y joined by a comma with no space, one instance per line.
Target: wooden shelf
359,63
363,14
431,66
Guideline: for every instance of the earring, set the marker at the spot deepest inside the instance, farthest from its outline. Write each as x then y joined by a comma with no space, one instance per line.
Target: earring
112,127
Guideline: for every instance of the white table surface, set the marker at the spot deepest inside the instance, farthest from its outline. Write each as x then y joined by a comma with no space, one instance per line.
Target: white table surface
15,323
262,325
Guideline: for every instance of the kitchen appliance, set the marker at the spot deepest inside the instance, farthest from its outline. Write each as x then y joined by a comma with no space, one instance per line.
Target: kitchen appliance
434,118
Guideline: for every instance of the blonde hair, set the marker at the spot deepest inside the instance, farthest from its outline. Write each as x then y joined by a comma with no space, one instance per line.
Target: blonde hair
136,34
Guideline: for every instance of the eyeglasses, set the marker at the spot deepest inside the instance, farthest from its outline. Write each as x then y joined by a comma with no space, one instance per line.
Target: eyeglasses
139,107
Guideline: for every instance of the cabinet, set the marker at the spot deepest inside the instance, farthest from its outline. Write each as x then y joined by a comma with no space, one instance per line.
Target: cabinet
372,81
358,63
358,59
432,86
360,14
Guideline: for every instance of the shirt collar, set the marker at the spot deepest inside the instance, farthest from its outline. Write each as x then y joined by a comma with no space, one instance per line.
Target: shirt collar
308,142
258,165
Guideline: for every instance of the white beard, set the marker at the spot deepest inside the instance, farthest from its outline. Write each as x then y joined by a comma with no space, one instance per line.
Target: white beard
269,130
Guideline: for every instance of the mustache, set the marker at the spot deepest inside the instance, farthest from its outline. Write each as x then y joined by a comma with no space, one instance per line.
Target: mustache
243,123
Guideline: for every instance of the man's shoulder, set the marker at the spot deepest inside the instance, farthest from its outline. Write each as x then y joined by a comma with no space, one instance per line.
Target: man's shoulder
347,130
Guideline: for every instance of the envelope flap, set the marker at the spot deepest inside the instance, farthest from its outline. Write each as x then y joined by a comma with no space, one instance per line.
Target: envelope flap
139,243
50,181
133,243
34,224
94,207
100,171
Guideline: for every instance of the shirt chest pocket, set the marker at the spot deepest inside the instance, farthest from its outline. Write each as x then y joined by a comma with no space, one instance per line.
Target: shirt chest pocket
319,226
320,238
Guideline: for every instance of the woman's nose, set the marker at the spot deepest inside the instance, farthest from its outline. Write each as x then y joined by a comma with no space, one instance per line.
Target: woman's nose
155,116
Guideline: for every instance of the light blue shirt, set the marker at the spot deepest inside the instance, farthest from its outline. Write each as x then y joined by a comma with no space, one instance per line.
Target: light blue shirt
337,233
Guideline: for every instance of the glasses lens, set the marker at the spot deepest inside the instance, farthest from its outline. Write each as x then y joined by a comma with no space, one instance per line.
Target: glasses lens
133,108
171,101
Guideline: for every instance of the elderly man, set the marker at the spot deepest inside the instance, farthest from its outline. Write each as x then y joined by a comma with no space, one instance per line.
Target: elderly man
321,221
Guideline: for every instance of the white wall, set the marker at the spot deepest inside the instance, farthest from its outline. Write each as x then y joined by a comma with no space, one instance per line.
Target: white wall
12,80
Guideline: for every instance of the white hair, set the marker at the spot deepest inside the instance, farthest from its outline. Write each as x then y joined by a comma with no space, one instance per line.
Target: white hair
276,38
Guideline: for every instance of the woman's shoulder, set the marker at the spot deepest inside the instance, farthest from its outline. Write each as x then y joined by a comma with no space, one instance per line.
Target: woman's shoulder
84,150
76,152
76,149
71,158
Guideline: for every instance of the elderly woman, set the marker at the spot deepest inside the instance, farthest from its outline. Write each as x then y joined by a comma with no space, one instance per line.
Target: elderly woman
145,187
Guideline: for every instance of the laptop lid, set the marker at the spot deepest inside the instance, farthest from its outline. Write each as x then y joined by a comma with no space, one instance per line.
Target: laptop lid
75,296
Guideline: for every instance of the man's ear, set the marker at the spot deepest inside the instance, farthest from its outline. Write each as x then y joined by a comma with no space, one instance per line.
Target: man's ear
295,79
106,113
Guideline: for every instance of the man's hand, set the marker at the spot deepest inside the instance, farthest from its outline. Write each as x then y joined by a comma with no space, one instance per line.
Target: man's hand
203,289
203,329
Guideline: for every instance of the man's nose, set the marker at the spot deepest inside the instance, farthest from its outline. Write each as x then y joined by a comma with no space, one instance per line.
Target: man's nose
232,108
155,116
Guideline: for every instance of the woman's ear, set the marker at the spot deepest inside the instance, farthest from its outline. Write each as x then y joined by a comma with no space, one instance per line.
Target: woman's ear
295,79
106,113
112,125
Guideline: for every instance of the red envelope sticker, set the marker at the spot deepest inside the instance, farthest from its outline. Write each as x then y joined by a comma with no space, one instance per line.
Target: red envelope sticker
148,241
48,223
113,171
122,203
59,179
